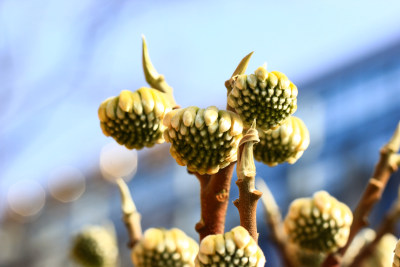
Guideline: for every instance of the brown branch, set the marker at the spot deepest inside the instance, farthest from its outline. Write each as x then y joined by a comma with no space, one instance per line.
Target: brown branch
273,218
387,226
246,171
131,216
386,165
214,196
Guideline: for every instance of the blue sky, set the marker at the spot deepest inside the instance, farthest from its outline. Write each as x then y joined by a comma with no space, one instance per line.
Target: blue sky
60,59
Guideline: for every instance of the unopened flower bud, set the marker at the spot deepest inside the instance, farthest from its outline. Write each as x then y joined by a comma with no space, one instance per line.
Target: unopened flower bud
160,247
381,256
268,97
204,140
396,257
134,119
286,143
320,224
95,246
234,248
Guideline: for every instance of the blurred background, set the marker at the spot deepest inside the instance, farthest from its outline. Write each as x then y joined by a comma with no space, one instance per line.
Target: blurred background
60,59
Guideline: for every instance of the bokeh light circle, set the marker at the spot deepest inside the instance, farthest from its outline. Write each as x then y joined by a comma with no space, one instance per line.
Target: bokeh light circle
66,184
118,161
26,198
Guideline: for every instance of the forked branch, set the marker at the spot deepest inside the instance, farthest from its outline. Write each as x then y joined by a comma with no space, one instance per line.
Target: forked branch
388,163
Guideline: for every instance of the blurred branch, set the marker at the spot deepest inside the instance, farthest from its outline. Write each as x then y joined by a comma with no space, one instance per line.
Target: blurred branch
387,164
273,218
131,216
387,226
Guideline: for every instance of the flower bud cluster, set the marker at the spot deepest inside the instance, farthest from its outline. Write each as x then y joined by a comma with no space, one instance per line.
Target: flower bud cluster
321,223
234,248
268,97
204,140
95,246
134,119
285,143
396,257
161,248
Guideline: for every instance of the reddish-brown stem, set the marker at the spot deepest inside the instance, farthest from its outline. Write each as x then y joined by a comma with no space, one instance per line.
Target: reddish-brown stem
214,198
247,206
372,194
388,225
248,195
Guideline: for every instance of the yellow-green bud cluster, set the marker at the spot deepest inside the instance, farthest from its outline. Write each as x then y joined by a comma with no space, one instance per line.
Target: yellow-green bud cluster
396,257
204,140
165,248
268,97
134,119
321,223
286,143
381,256
234,248
95,246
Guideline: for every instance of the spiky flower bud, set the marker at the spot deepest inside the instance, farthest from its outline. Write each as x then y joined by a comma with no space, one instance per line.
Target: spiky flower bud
321,223
286,143
204,140
95,246
396,257
165,248
234,248
268,97
134,119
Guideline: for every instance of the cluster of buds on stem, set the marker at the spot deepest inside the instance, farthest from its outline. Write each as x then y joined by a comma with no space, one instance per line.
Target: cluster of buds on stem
204,140
234,248
160,247
268,97
134,119
319,224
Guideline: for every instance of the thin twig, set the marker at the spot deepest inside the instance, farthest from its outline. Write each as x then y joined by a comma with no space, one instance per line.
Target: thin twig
246,172
387,164
131,216
388,225
273,218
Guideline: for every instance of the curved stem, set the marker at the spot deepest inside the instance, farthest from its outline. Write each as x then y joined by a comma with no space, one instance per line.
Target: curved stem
131,216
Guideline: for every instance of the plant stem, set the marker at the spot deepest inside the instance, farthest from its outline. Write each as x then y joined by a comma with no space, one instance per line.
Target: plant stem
387,164
246,171
388,225
214,189
273,218
214,197
131,216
